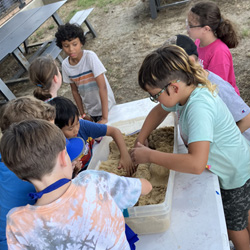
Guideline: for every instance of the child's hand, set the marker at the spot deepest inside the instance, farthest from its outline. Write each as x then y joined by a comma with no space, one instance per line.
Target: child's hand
145,143
76,165
103,121
86,117
127,164
140,154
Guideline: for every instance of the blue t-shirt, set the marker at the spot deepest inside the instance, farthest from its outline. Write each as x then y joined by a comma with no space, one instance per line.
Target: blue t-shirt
89,131
205,117
13,193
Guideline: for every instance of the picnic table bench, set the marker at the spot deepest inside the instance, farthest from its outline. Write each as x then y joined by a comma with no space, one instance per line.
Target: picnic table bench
47,48
155,6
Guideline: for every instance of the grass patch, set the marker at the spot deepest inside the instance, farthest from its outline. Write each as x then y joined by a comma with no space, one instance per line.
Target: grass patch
51,27
85,4
99,3
245,33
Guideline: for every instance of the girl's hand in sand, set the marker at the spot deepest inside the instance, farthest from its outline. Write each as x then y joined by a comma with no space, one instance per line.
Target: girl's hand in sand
140,154
127,164
145,143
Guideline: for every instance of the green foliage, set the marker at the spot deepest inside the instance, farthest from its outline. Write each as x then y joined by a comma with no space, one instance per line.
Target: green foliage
99,3
245,33
51,27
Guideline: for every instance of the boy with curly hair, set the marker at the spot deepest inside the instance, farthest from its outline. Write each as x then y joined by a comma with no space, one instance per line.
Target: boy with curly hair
85,73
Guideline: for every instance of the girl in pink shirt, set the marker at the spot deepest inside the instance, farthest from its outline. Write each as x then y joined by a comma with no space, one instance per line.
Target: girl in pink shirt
214,37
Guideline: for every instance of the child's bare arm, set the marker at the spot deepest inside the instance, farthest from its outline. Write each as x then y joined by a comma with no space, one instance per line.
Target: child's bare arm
152,121
244,123
104,97
125,159
77,98
146,186
194,162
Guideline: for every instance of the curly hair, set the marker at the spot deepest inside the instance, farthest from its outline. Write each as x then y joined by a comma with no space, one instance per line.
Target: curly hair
169,63
68,32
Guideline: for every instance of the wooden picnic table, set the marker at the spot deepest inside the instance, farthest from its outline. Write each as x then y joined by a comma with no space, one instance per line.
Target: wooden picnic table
18,29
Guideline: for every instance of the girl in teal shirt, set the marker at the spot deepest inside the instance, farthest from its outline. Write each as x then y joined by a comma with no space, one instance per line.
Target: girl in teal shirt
207,128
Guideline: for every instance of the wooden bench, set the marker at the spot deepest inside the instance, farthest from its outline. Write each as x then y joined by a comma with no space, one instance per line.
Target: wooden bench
50,48
79,18
155,6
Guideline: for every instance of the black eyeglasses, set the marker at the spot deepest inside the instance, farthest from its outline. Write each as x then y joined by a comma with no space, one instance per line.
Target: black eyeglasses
193,26
154,98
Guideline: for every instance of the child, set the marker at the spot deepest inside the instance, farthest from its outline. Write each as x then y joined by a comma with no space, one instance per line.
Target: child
239,109
85,73
67,119
214,36
44,73
207,128
13,111
70,214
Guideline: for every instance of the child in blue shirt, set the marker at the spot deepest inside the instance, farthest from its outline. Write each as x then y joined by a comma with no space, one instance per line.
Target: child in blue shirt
67,119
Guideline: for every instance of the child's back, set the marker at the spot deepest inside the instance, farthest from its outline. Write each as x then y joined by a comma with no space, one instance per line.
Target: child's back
85,215
69,214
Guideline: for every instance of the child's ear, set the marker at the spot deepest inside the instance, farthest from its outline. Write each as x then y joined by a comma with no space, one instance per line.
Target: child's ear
63,157
207,28
55,78
175,87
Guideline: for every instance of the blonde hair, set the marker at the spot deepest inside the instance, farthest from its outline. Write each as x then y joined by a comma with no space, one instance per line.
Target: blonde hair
41,73
23,108
169,63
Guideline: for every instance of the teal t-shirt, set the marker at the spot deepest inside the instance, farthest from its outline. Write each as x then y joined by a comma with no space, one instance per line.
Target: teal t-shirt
205,117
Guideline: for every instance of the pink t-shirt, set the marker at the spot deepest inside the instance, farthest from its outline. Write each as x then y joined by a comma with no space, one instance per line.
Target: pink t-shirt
217,58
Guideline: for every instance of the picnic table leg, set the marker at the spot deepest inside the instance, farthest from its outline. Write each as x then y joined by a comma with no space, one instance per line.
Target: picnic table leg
91,29
8,95
153,8
57,19
21,58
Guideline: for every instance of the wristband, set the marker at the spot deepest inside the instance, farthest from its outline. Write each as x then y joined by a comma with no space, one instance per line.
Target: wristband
83,116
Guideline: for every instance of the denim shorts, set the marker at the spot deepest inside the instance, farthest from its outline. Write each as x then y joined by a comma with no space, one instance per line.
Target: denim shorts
236,203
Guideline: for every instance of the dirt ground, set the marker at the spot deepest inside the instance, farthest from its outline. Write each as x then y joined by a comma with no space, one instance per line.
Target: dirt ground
126,34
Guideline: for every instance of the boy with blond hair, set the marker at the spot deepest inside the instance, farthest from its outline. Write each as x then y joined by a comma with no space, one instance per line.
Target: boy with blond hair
81,213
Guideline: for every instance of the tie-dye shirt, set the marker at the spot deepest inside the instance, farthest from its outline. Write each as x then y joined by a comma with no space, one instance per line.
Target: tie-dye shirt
87,216
84,74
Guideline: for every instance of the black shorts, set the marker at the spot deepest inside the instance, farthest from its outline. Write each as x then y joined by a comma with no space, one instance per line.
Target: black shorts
236,203
96,118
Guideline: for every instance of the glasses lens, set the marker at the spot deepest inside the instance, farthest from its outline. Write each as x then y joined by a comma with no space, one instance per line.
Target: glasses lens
152,99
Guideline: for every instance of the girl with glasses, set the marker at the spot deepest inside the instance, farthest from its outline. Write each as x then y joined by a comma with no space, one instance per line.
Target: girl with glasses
214,37
207,129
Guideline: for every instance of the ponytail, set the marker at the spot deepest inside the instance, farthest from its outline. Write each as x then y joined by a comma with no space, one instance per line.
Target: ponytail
41,73
42,94
227,33
208,13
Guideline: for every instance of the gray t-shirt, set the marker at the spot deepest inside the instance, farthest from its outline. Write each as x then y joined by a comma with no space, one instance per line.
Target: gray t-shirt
84,76
238,108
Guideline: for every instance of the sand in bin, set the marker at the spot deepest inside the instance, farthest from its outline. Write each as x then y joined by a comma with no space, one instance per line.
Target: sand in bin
161,139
